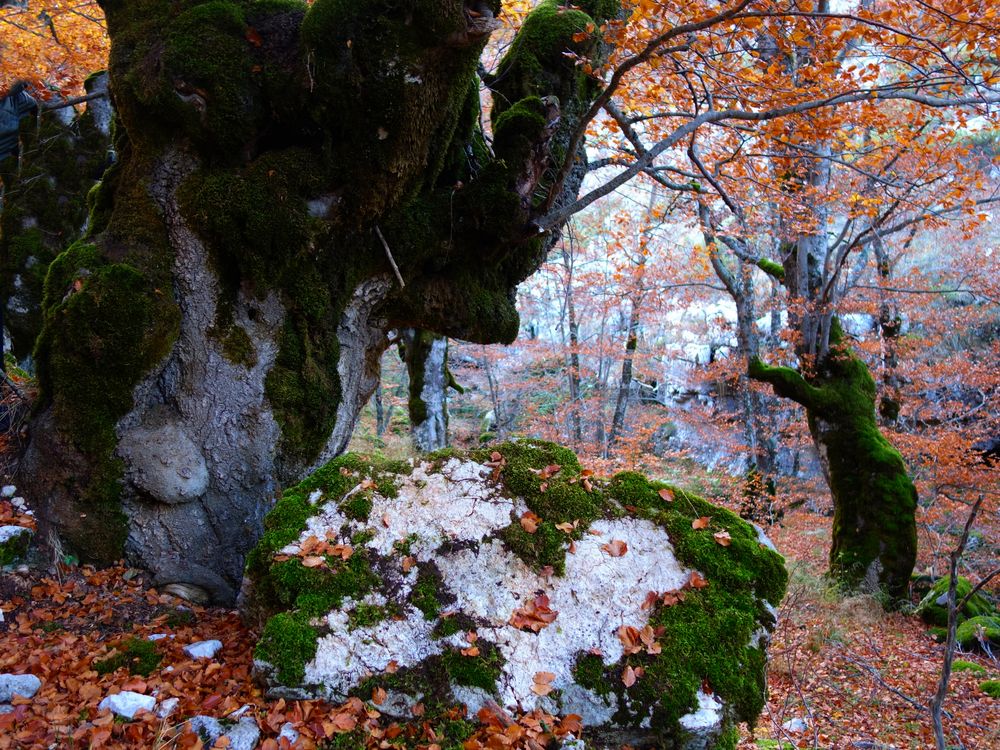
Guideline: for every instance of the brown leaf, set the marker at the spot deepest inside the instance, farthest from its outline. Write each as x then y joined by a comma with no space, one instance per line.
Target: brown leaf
312,561
723,538
253,36
666,495
630,638
615,548
628,677
567,527
378,696
534,615
408,563
392,667
701,523
541,684
696,581
529,522
651,599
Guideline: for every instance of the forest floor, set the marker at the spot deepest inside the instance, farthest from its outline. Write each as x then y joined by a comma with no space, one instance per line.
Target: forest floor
854,675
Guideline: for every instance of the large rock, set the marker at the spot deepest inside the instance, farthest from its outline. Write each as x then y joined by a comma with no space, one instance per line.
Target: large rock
515,577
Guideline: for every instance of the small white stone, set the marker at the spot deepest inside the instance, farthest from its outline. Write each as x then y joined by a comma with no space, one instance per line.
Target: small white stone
128,703
314,496
707,716
289,733
167,707
203,649
25,685
206,727
798,724
159,636
245,735
8,490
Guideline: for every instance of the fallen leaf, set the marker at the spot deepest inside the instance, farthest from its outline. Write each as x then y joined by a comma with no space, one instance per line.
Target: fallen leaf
628,677
312,561
534,615
666,495
615,548
408,563
696,581
723,538
542,682
701,523
378,696
529,522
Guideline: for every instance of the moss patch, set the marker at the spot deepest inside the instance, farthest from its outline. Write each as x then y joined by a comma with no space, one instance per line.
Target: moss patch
137,654
288,642
991,688
977,632
15,547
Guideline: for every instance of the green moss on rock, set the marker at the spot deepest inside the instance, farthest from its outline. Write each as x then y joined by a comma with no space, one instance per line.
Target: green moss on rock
933,608
991,688
288,643
14,547
977,632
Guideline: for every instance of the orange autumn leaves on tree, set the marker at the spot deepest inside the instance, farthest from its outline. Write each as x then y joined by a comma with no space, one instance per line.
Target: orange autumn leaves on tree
52,44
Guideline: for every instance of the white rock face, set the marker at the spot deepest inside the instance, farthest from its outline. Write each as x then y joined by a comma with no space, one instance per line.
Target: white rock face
598,594
127,703
25,685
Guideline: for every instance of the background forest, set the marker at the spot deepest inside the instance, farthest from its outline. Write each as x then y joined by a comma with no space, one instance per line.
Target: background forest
746,305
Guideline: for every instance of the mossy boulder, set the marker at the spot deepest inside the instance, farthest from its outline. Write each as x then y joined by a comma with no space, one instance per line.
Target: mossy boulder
512,574
979,632
933,608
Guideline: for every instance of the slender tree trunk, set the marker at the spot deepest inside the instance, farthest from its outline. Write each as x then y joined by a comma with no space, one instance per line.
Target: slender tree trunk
426,357
625,384
573,357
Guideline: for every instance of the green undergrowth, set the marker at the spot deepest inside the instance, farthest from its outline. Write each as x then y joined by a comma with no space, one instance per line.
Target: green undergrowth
138,655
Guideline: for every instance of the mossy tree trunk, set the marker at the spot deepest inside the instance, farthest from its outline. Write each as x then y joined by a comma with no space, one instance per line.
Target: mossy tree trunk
45,205
293,182
874,527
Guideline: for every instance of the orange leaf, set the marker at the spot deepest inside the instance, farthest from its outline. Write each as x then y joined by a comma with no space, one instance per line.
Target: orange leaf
666,494
701,523
529,522
723,538
312,561
615,548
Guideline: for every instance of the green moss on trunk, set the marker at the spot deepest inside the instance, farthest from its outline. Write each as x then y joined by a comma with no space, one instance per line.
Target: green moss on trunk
874,528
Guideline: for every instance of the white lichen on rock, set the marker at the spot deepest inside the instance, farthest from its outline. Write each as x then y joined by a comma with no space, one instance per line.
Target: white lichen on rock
431,579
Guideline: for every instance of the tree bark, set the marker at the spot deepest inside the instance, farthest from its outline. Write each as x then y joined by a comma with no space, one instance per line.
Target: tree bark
292,183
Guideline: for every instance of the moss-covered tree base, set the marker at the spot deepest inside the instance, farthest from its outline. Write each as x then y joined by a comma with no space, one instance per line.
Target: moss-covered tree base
511,575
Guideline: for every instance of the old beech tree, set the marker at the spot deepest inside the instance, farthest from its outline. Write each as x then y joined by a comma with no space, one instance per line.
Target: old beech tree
292,183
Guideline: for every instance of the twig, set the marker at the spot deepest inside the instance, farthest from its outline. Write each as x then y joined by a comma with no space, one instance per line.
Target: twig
49,106
388,254
949,649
